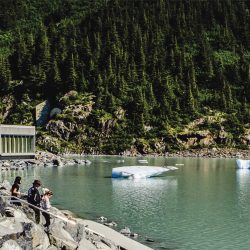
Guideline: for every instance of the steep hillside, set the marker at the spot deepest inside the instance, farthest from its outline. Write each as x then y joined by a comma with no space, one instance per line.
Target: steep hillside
148,69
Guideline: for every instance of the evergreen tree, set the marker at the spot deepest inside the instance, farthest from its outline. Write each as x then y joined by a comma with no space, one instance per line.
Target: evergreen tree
72,75
5,74
190,100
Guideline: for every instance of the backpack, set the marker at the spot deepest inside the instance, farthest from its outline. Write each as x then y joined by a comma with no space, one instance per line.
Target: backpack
33,196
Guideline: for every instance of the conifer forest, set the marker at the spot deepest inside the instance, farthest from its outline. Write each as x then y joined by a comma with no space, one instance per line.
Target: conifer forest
153,75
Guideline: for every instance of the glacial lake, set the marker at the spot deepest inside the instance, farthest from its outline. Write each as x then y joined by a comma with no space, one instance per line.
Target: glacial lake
205,204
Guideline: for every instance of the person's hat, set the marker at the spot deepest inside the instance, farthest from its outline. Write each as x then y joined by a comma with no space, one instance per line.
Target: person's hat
45,190
37,182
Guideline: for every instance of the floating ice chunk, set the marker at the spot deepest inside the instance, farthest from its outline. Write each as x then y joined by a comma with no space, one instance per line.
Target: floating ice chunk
243,163
143,161
138,172
171,167
119,161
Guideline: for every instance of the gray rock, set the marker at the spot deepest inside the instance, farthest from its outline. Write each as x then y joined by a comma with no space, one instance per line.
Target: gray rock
10,226
60,237
6,185
76,231
2,207
82,162
86,244
52,247
40,240
125,231
10,245
57,162
9,212
6,164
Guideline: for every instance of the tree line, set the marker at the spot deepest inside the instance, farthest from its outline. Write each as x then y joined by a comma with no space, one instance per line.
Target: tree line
163,62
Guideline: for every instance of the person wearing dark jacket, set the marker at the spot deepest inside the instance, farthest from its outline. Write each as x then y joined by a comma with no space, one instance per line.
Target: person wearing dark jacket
15,191
34,198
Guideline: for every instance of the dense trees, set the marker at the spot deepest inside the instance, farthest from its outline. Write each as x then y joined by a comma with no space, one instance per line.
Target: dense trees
162,61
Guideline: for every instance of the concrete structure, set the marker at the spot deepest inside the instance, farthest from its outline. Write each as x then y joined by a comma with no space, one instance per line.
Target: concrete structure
17,141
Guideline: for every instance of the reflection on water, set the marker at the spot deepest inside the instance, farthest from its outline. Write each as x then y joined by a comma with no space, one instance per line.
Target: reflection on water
205,204
243,192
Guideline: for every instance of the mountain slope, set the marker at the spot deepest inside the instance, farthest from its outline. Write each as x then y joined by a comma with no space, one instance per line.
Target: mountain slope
151,67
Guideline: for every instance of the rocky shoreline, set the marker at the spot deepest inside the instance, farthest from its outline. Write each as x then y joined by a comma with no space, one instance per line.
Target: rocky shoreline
212,153
42,159
18,230
195,153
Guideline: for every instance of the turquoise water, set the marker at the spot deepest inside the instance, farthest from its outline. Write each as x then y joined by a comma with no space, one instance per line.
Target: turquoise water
205,204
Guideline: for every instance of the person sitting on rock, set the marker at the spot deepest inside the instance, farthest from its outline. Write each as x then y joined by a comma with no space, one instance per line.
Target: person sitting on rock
34,198
15,191
45,205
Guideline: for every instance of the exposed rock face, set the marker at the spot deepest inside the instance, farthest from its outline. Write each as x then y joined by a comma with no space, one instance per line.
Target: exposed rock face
194,135
245,139
198,138
79,111
69,125
61,129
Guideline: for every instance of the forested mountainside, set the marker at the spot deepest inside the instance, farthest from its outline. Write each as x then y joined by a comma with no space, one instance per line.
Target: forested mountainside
147,75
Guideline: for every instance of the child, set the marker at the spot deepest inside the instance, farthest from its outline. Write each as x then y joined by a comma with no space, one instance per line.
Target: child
45,205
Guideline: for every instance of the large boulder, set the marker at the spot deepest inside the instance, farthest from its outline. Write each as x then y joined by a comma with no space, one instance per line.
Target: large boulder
10,245
40,240
9,226
61,238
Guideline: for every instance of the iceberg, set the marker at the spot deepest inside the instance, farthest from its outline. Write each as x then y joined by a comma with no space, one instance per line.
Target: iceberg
243,163
138,172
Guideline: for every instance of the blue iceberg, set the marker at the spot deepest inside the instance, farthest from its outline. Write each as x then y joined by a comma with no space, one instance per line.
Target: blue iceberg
243,163
138,172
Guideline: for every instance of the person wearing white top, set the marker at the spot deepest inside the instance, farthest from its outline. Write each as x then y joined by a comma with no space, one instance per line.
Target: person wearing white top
45,205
